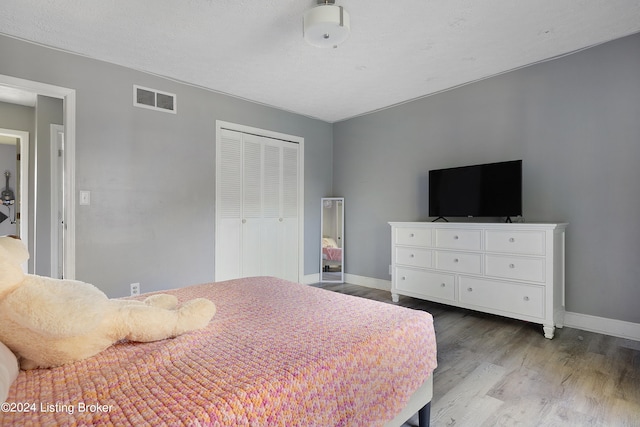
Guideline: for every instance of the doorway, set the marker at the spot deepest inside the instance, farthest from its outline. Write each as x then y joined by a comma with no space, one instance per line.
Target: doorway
18,212
67,254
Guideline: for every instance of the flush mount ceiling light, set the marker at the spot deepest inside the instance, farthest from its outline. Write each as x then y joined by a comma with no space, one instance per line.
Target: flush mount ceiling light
326,25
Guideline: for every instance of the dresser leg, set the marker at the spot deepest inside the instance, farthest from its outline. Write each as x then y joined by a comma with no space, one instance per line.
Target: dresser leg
395,297
548,331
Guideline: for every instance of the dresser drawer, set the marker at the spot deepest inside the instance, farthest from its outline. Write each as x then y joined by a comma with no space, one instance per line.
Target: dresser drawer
459,239
515,242
519,299
413,236
415,257
460,262
513,267
427,283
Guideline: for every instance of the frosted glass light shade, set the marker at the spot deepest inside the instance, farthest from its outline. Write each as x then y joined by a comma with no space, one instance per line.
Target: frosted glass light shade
326,26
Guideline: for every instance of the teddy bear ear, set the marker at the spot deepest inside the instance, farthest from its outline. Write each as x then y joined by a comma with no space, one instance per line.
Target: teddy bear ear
14,248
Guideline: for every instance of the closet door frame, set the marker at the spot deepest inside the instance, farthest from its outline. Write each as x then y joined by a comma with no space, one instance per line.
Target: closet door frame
220,125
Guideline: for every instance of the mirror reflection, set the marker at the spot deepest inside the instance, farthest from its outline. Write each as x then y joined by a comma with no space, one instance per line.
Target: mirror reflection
332,255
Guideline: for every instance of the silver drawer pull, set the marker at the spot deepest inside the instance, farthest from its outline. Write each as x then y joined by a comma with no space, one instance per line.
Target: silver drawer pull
455,237
512,266
404,278
512,240
411,235
412,256
470,289
443,285
526,298
456,260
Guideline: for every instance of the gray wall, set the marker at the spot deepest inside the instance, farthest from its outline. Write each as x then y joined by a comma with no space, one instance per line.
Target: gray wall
574,121
152,174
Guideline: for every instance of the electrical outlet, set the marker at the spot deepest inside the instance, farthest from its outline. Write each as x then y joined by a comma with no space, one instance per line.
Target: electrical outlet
85,198
135,289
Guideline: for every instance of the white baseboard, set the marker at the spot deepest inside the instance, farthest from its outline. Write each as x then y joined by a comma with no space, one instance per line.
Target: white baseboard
602,325
309,279
585,322
368,282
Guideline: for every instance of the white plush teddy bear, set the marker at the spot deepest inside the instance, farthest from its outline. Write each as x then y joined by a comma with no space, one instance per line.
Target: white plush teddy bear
49,322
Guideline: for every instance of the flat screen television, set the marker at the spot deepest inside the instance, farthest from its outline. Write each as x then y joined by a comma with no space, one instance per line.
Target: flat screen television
487,190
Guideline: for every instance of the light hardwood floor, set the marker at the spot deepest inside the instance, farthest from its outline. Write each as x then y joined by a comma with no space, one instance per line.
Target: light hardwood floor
494,371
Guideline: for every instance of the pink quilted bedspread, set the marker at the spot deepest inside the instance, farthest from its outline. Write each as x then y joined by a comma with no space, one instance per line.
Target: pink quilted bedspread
275,354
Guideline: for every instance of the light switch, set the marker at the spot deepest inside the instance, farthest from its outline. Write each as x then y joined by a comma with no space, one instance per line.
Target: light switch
85,198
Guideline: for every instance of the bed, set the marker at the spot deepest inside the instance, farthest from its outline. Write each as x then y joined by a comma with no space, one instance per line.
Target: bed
276,353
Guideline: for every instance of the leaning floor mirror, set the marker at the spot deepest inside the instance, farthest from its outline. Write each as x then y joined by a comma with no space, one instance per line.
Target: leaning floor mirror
332,238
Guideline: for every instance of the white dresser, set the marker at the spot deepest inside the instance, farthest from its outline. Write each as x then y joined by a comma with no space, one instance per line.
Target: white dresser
513,270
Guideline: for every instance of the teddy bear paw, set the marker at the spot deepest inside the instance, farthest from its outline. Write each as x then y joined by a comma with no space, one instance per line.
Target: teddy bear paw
196,313
168,302
26,364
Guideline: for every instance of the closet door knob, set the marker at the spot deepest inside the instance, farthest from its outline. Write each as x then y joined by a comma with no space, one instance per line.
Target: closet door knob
456,260
512,240
526,298
412,256
443,285
512,266
455,237
244,221
470,289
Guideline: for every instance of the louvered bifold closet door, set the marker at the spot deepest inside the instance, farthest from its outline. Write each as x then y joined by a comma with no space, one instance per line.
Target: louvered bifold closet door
278,245
258,185
252,215
272,238
290,215
228,205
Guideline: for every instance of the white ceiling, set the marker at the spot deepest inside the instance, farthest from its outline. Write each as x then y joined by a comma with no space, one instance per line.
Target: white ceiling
253,49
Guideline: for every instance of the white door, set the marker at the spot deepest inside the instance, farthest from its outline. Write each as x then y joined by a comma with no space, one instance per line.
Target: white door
291,215
280,210
57,201
252,221
228,205
257,206
271,239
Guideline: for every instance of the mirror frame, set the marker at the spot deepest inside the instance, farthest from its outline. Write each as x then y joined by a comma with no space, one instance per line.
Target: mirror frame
322,204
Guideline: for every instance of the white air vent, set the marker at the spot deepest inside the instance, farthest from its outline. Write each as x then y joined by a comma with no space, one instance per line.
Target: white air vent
154,99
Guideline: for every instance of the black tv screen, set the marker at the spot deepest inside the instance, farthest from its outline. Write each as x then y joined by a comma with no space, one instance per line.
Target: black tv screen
488,190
